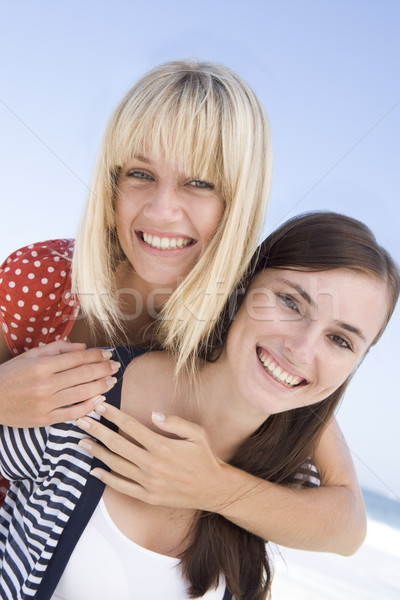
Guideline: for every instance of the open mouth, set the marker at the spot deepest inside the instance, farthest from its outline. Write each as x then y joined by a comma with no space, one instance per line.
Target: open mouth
165,243
289,380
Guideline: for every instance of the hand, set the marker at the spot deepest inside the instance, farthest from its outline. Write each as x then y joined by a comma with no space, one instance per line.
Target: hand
179,473
57,382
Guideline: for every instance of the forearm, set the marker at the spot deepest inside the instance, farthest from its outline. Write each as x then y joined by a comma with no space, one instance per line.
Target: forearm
325,519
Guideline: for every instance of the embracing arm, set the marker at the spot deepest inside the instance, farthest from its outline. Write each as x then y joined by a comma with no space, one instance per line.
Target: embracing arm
330,518
186,473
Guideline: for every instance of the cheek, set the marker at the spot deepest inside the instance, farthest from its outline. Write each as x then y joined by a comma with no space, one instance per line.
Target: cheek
210,218
238,334
336,374
125,213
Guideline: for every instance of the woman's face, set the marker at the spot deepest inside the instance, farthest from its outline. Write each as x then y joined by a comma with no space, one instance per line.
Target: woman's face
299,335
165,219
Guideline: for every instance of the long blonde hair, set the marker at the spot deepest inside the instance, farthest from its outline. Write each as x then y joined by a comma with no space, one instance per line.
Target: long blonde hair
208,122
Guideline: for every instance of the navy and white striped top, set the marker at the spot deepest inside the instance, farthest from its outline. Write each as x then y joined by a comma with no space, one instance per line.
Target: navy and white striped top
50,500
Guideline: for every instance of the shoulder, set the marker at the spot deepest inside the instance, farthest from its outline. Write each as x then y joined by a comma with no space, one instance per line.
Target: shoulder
35,282
54,251
31,264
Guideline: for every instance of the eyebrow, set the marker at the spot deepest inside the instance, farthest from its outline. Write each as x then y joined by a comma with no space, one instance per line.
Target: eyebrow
299,290
141,158
351,329
310,301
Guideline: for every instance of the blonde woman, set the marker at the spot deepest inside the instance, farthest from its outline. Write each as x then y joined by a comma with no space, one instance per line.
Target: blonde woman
175,211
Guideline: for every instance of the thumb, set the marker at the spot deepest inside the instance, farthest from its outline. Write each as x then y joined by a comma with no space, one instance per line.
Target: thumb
180,427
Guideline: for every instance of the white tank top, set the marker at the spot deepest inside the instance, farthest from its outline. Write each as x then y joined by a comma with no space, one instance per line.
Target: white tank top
105,564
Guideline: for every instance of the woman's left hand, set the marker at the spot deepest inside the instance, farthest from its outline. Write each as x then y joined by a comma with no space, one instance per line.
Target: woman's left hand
180,473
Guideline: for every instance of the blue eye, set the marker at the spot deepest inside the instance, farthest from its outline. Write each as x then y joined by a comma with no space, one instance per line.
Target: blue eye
201,184
289,302
138,174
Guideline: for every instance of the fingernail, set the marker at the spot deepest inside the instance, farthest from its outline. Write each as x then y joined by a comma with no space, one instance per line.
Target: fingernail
157,416
110,381
83,423
99,400
115,365
96,473
100,408
106,354
85,444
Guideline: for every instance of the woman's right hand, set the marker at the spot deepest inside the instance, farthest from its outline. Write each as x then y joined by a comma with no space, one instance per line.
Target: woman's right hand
61,381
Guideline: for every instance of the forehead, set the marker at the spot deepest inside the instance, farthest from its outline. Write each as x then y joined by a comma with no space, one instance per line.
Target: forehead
344,295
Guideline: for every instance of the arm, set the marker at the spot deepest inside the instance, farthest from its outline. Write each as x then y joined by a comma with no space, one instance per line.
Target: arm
186,473
330,518
54,383
58,381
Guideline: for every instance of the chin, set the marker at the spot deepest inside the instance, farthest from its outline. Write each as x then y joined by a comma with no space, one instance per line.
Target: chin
161,279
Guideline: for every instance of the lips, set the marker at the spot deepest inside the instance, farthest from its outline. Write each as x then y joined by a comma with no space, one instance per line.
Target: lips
166,242
289,380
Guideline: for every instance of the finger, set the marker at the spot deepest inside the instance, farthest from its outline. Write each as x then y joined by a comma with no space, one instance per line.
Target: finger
180,427
129,425
114,441
130,488
70,360
74,411
55,348
84,374
122,466
81,393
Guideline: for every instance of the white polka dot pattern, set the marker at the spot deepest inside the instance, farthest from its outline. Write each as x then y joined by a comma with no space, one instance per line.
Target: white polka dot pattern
36,306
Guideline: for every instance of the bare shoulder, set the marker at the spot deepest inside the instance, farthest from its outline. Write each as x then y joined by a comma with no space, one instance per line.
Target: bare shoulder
148,384
151,364
333,457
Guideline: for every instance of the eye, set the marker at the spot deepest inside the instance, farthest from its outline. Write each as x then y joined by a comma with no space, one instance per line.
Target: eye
201,184
289,302
340,342
138,174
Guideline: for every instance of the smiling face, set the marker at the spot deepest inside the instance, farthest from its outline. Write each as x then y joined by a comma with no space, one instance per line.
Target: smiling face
165,219
300,334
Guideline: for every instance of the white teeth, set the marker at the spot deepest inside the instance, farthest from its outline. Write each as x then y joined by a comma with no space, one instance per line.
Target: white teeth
278,373
165,243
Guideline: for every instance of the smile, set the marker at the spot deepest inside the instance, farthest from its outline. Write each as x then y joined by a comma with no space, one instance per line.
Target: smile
287,379
166,243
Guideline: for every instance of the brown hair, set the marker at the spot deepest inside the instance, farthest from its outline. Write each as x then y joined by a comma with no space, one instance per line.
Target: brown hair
283,444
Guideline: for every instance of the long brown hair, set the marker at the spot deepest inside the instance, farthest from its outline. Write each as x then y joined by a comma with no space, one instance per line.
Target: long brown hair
284,443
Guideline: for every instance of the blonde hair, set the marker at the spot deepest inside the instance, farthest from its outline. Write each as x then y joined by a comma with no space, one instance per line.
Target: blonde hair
210,124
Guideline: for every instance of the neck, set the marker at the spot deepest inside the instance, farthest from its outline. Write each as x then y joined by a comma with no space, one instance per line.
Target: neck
222,409
140,302
136,291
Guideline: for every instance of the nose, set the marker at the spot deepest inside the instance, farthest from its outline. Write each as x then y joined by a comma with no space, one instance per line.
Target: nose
301,344
163,205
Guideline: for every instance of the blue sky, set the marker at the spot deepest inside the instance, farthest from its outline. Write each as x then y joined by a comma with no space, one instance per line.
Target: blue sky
328,76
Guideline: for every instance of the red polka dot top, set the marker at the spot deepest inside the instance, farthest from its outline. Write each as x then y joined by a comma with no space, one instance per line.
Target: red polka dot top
36,306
